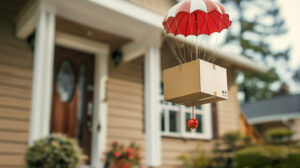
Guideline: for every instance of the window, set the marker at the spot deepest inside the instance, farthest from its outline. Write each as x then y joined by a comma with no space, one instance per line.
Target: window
174,120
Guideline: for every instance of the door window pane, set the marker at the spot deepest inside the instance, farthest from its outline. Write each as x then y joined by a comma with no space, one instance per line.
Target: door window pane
173,119
199,118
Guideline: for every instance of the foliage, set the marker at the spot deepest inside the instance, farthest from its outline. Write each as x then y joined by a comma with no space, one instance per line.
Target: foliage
120,157
280,135
201,160
54,151
224,149
253,32
268,157
252,160
292,161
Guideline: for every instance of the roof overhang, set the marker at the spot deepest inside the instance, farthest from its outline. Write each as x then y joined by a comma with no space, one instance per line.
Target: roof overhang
155,20
122,18
274,118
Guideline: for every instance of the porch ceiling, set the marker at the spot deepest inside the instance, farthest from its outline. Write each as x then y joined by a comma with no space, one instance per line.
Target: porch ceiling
113,40
12,7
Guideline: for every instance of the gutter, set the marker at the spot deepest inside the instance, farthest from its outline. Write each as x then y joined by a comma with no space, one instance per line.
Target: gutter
155,20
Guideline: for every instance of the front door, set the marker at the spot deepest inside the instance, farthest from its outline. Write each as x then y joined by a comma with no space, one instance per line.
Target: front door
73,96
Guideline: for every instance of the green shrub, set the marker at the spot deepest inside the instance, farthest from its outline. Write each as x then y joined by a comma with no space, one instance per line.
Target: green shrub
292,161
268,157
54,151
252,160
280,135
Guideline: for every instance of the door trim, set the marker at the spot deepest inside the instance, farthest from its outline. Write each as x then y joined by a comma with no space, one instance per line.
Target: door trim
101,51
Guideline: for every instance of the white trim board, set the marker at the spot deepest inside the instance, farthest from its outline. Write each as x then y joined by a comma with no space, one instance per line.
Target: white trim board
101,52
278,117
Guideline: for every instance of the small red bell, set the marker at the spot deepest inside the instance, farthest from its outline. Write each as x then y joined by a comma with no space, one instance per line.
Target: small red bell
193,123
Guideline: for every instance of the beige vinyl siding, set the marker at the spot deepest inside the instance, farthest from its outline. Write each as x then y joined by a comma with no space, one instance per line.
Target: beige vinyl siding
125,95
172,148
228,112
15,96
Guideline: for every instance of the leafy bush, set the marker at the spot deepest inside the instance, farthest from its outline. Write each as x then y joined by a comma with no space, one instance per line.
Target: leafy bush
292,161
252,160
280,135
268,157
120,157
200,161
54,151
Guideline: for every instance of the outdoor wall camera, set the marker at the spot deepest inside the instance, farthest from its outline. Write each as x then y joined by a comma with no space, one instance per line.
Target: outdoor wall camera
117,57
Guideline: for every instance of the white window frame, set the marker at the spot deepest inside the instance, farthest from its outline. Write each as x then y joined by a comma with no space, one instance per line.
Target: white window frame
205,111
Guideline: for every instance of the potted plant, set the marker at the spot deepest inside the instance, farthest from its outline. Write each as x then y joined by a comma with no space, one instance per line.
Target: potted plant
123,157
54,151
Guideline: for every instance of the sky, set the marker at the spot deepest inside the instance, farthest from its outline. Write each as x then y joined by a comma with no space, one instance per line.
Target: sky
290,11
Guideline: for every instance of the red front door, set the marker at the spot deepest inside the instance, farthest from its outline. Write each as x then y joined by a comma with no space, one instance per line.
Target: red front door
73,96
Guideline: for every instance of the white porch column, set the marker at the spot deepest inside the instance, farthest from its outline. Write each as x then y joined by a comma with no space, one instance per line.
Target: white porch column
42,75
152,109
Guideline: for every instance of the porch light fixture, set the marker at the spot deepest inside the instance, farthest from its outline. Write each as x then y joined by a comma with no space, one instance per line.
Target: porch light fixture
117,57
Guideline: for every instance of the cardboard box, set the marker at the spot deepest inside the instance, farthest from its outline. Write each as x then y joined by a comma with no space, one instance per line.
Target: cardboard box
195,83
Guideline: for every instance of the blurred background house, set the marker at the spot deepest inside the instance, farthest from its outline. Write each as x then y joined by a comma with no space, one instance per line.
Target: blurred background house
281,111
92,70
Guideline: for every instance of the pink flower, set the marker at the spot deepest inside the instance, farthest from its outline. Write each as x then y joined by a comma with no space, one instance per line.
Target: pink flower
130,156
130,150
117,154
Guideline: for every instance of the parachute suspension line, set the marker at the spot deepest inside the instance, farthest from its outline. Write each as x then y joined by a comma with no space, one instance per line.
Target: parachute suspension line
173,50
191,45
196,37
197,47
177,42
216,56
203,33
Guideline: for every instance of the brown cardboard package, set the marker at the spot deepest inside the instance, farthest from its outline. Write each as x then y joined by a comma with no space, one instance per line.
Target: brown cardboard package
195,83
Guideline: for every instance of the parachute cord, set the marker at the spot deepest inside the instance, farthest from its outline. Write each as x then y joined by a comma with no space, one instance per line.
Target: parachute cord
174,52
215,56
176,44
206,43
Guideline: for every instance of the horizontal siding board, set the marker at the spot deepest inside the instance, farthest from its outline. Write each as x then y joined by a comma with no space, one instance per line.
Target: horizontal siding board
14,125
18,137
12,148
16,61
123,105
14,113
124,83
13,91
128,98
15,81
10,49
125,134
125,123
7,161
115,112
15,102
16,71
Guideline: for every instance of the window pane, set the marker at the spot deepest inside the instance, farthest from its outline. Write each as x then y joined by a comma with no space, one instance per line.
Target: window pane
198,107
187,118
162,120
199,118
173,121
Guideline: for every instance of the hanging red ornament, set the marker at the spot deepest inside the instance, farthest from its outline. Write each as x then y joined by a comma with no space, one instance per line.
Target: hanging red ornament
193,123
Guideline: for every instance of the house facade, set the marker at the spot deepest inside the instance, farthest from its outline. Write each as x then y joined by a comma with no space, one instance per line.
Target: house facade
59,72
280,111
